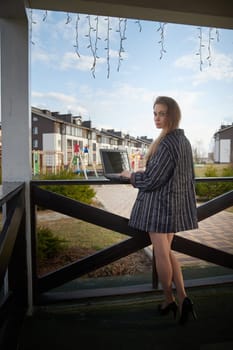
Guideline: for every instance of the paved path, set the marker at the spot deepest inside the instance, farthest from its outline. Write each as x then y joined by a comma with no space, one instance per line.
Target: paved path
216,231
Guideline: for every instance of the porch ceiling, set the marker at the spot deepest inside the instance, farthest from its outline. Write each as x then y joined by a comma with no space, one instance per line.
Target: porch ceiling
12,9
204,13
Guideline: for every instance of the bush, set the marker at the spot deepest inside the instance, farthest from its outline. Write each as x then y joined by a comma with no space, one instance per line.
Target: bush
209,190
48,244
82,193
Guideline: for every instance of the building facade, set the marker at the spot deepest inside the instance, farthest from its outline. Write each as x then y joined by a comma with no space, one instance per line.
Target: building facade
61,140
223,144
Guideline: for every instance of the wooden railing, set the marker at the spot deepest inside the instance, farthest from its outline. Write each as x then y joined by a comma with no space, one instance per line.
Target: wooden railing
13,270
13,251
99,217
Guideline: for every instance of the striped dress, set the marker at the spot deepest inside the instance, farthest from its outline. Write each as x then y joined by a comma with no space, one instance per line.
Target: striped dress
166,200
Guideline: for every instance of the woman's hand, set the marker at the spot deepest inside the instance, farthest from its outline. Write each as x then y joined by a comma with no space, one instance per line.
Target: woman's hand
126,173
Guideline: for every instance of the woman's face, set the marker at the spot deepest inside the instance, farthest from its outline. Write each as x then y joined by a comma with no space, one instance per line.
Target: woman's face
160,116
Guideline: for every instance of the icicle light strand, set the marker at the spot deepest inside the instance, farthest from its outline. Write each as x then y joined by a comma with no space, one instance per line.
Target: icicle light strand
122,33
94,38
161,30
77,35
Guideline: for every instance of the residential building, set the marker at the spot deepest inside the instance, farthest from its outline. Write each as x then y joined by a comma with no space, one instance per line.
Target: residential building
223,144
56,138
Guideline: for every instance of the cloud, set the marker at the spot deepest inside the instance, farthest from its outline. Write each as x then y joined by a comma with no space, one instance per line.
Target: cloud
220,68
70,60
55,96
39,55
60,102
67,61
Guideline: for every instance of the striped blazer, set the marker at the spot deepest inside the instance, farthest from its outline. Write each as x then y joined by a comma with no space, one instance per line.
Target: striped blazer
166,200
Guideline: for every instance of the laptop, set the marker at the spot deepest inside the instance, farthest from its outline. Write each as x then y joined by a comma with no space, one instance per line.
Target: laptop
114,162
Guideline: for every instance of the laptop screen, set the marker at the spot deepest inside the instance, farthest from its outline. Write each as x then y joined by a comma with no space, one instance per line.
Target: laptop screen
114,161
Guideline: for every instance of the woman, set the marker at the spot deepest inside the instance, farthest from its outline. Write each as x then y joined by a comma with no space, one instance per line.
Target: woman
166,203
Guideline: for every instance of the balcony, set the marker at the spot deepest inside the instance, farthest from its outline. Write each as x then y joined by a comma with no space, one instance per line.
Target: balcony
127,308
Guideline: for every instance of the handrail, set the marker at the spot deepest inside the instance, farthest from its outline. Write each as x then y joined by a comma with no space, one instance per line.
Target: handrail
13,301
8,190
9,233
104,181
214,179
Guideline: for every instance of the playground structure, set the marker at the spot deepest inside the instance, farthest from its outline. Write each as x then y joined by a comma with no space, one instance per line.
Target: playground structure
52,162
44,162
79,165
136,160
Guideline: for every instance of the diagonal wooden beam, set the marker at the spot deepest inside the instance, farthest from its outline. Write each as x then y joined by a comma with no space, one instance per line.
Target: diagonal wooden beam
92,262
117,223
9,233
82,211
215,205
203,252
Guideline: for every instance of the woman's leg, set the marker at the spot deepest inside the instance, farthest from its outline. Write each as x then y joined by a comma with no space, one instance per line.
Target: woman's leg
161,245
177,274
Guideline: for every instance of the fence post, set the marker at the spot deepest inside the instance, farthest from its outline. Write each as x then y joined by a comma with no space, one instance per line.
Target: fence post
155,279
17,270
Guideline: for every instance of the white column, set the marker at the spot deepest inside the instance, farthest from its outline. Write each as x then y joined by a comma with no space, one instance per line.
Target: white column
16,113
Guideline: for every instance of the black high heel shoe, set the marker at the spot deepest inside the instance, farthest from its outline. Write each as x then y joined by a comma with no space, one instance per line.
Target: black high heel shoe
170,307
186,310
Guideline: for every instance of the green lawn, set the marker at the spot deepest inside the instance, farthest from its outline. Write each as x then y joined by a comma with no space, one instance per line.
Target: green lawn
80,233
200,169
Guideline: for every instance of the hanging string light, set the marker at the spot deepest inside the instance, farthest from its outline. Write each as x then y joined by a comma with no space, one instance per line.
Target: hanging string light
161,30
90,45
94,38
122,33
95,47
45,16
139,25
31,22
77,35
107,48
201,45
210,38
68,18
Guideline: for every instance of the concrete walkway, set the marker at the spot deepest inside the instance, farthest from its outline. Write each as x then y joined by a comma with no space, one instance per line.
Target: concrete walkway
216,231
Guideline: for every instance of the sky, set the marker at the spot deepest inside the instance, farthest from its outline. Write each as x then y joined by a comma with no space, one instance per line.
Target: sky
191,64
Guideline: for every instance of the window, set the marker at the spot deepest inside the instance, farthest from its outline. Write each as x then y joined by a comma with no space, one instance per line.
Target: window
35,130
35,143
68,130
69,144
79,132
104,139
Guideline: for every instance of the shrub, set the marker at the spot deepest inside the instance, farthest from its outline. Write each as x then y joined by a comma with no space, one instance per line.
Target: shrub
48,244
82,193
209,190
